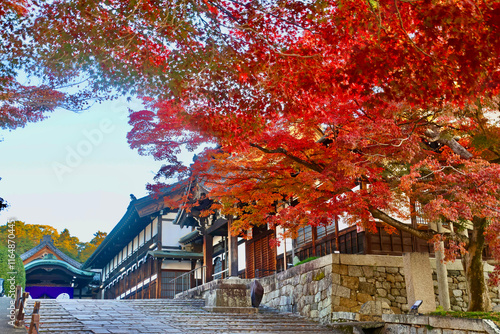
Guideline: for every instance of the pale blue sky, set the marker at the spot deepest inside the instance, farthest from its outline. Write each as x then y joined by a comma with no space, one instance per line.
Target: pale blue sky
74,171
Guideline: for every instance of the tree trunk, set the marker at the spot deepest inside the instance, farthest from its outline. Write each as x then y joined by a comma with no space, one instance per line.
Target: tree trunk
479,299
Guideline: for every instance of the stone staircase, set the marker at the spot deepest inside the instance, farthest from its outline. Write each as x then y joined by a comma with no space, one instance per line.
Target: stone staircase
162,316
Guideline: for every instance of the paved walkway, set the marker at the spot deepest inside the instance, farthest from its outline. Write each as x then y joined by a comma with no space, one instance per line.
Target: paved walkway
161,316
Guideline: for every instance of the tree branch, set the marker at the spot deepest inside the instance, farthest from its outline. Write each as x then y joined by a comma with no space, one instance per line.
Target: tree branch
378,214
435,136
312,166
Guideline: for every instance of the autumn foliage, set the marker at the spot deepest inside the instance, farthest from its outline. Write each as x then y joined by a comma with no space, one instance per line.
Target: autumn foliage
30,235
310,109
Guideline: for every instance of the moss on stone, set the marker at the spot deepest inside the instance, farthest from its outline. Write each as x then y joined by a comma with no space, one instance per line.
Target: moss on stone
319,276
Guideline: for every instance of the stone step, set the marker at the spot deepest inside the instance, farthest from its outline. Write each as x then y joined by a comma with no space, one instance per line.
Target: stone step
162,316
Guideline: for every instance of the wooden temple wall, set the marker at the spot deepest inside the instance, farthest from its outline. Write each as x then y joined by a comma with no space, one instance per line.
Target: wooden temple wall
141,283
260,257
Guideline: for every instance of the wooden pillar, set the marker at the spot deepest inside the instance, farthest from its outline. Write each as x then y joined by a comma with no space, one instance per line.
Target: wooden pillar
158,278
314,234
143,277
150,269
137,270
208,251
233,250
337,246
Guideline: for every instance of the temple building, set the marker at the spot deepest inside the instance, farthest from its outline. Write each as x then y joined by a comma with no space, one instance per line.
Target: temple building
50,273
142,255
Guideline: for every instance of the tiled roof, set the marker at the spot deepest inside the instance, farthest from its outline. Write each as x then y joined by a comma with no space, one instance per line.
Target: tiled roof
55,262
49,243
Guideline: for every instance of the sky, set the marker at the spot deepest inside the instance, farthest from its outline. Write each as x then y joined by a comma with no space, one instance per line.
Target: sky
74,170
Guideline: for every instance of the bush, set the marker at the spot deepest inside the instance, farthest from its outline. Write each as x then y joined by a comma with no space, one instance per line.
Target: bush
307,260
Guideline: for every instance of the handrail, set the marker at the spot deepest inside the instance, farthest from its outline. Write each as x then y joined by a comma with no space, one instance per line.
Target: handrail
221,273
188,276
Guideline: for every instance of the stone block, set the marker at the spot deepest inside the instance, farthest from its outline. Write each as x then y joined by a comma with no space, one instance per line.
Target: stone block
355,271
392,270
363,298
401,300
341,309
453,331
397,329
283,300
371,260
340,269
421,320
350,282
324,312
343,316
317,297
325,283
342,291
384,300
396,310
367,288
382,292
321,262
399,278
367,271
308,300
348,303
418,279
457,323
490,327
335,278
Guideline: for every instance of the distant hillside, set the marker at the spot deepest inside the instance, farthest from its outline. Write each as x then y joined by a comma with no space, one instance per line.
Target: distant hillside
28,236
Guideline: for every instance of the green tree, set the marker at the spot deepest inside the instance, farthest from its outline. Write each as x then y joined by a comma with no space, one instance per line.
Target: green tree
6,269
88,248
28,236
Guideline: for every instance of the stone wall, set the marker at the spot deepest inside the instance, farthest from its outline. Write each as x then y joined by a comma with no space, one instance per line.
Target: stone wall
337,283
457,286
307,289
421,324
344,282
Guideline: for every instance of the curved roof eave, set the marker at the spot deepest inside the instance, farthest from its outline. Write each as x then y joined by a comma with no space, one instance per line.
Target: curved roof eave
59,263
131,211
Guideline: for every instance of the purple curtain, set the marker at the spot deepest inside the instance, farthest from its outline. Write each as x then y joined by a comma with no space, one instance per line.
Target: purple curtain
51,291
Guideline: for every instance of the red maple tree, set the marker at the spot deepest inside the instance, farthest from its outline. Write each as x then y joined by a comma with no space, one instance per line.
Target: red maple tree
305,100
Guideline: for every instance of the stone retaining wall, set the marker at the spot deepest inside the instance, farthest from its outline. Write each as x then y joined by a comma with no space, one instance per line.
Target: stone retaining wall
458,286
421,324
344,282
